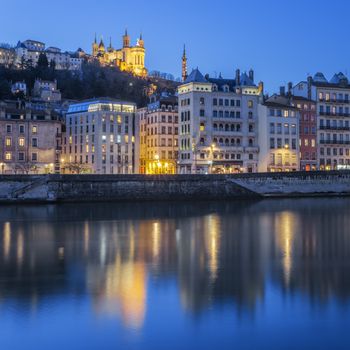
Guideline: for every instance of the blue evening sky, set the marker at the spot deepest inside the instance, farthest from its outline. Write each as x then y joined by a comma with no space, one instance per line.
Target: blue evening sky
281,40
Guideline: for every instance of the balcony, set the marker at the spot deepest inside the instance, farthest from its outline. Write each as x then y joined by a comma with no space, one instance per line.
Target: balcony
330,127
325,113
334,142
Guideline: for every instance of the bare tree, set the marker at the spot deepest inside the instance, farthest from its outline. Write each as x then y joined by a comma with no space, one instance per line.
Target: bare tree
76,168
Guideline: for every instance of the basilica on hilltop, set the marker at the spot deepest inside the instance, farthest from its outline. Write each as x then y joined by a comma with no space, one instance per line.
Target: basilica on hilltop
129,58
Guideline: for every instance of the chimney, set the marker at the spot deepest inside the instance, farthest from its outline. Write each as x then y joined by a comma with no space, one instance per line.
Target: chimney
238,77
282,90
309,84
251,75
290,87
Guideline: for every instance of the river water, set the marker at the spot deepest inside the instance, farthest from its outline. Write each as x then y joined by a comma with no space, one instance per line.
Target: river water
271,274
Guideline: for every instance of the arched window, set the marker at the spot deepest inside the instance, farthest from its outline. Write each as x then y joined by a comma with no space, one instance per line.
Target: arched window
227,127
238,141
227,142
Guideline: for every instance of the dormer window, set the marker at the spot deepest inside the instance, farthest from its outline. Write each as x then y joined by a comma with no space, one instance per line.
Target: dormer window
226,88
215,87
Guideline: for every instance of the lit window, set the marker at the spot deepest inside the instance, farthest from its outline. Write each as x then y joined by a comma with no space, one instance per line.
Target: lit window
21,142
202,127
8,141
111,138
34,129
8,156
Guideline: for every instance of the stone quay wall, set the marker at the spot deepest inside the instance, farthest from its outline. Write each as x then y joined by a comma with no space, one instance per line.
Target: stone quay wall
80,188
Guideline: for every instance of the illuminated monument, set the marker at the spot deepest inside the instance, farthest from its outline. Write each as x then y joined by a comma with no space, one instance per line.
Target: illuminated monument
129,58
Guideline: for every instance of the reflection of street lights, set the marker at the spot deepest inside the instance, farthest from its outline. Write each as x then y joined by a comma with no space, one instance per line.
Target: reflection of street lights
212,148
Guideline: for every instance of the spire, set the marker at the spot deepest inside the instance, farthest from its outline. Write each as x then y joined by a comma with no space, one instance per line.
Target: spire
110,42
126,32
141,36
184,64
95,38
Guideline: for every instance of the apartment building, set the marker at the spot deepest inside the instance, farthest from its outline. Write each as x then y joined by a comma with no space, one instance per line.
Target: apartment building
100,137
158,136
218,123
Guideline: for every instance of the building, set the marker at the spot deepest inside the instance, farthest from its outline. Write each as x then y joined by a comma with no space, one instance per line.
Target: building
158,136
30,140
307,132
128,59
7,56
46,91
278,134
28,52
218,123
332,109
100,137
19,87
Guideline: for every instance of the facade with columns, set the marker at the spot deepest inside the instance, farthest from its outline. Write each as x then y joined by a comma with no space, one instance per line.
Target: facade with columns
129,58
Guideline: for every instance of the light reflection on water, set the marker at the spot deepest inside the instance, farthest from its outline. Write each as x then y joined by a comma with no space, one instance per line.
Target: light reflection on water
176,275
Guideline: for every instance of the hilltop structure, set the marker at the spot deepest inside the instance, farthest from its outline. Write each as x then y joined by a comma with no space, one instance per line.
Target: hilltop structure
128,59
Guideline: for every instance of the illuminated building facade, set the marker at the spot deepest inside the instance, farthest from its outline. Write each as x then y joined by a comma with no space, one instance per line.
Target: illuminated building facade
158,136
333,112
218,124
278,135
128,59
30,139
99,137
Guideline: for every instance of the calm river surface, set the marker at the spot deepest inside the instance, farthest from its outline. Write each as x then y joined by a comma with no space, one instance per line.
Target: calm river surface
210,275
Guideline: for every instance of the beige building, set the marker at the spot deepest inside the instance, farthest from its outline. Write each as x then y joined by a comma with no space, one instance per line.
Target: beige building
30,140
7,57
158,136
129,58
278,135
99,137
46,90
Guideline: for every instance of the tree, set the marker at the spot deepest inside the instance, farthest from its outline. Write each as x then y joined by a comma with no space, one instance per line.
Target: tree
43,61
76,168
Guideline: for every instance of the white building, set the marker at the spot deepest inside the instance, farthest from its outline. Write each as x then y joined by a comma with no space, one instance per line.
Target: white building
278,135
218,124
100,137
333,122
30,50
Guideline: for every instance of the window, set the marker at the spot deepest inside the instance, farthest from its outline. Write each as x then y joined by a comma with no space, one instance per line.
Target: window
215,101
21,156
201,112
202,127
8,128
21,129
34,142
34,129
250,104
21,141
8,141
8,156
201,101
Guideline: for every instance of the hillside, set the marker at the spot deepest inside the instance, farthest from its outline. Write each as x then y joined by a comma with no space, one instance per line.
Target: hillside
92,81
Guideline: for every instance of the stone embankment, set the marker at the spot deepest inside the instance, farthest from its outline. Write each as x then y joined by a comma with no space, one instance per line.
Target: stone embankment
68,188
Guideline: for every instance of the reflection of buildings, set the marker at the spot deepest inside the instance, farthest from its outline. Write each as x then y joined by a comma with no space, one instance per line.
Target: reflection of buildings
120,255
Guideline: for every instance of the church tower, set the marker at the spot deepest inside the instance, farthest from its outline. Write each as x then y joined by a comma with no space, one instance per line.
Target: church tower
141,42
101,46
94,47
126,39
184,65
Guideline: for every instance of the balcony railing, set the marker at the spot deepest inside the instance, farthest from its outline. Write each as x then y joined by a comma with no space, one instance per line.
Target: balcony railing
331,127
334,142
